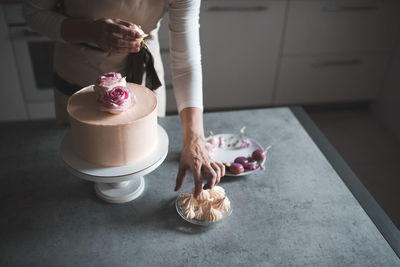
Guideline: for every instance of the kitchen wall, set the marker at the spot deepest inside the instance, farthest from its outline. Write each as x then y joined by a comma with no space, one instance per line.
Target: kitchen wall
387,106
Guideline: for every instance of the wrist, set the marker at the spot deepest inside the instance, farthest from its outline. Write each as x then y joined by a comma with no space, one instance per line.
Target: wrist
193,138
192,123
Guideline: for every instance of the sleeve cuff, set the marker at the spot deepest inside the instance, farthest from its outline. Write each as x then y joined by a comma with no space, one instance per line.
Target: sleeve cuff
190,104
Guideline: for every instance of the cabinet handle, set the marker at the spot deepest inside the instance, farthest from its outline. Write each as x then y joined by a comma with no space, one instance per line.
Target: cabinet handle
237,8
336,8
337,63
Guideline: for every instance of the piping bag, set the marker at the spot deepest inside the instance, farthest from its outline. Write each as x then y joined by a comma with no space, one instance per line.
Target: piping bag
143,62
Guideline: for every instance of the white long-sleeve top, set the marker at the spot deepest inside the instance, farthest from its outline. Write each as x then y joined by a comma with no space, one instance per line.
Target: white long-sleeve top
185,50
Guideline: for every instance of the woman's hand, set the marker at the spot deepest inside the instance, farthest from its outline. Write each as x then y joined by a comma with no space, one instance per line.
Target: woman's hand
111,35
194,156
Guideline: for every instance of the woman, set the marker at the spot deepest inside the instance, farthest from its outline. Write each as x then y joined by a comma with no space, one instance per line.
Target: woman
97,36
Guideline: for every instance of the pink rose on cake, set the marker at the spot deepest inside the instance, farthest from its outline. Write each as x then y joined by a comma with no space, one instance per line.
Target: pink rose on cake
117,100
107,81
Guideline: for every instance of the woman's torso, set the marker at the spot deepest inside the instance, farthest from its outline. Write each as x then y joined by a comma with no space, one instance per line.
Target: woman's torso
81,65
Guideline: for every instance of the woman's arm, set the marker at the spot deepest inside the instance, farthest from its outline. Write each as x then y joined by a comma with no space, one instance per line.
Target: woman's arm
187,78
185,53
194,156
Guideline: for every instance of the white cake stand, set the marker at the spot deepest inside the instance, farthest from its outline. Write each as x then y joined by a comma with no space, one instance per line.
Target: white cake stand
115,184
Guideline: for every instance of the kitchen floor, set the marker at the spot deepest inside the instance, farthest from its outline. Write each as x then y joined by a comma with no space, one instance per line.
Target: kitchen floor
370,149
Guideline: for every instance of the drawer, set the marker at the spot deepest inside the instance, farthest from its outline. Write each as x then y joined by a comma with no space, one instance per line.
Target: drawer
315,27
240,43
314,79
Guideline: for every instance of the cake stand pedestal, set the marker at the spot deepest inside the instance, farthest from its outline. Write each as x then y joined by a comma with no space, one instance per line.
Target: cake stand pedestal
115,184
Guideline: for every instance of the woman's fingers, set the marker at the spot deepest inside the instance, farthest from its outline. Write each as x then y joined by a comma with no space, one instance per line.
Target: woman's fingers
118,42
212,173
222,168
124,22
117,36
118,45
221,171
198,181
180,177
122,31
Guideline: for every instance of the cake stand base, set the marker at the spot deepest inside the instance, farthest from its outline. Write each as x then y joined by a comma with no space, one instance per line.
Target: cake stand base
116,184
120,192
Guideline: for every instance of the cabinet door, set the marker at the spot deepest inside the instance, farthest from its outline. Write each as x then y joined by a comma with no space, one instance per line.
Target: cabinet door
12,105
163,36
316,79
240,49
316,27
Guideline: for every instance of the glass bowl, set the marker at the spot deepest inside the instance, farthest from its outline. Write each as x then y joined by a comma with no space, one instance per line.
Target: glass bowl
199,222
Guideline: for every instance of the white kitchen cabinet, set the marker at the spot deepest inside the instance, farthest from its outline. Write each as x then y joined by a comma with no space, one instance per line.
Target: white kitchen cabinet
321,79
327,26
163,36
12,105
32,58
240,43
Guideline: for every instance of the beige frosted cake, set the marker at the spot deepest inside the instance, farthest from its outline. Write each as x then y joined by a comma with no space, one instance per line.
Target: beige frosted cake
113,123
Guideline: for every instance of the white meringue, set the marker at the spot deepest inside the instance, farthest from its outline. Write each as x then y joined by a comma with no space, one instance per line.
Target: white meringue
189,213
210,206
213,215
217,192
190,203
199,214
204,195
222,204
183,199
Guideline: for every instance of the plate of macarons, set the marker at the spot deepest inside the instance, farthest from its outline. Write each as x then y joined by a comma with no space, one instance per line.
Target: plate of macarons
240,155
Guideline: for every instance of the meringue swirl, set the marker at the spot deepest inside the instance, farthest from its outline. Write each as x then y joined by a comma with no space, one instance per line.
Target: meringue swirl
210,206
213,215
189,213
217,192
191,203
222,204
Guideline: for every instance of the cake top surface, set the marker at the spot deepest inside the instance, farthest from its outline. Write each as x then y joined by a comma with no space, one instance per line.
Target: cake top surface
84,106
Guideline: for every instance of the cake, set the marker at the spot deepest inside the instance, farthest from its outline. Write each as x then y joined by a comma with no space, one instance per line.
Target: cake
113,123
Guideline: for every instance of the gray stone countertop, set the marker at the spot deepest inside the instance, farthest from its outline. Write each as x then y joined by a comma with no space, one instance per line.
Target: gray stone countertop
297,212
